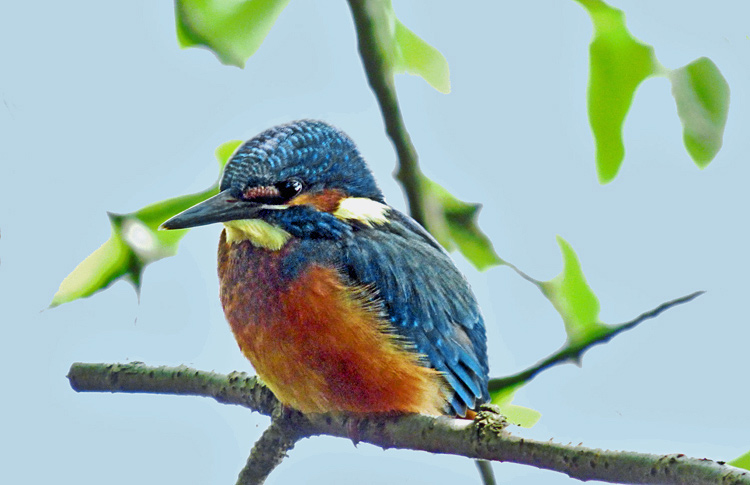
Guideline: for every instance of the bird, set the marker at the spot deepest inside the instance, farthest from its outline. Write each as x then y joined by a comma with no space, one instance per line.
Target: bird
341,303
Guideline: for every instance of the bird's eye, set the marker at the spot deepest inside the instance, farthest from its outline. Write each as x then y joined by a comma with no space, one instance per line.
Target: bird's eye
289,188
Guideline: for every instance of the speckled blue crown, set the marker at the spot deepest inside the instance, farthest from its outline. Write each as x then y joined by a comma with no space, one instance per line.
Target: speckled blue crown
313,151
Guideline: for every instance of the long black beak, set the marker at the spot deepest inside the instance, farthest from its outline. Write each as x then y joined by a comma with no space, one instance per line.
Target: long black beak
219,208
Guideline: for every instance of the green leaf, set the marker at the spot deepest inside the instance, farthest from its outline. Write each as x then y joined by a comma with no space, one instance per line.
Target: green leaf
401,50
453,222
232,29
742,461
573,299
415,56
702,96
135,242
100,269
518,415
618,64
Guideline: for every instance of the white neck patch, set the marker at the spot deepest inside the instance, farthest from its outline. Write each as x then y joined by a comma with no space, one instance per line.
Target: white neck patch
362,209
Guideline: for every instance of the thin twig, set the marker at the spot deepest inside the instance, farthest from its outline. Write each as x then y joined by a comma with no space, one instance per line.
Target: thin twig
485,438
371,37
573,353
486,472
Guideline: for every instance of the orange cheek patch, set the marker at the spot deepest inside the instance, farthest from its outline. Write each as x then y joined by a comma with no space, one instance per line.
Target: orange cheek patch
326,201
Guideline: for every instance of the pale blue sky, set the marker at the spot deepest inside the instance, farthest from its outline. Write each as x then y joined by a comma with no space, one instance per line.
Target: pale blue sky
103,112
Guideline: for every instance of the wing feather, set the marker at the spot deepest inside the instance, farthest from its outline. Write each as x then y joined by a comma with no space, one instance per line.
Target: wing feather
427,300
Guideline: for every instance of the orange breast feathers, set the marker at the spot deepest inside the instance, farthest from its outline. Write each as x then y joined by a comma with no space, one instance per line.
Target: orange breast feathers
319,345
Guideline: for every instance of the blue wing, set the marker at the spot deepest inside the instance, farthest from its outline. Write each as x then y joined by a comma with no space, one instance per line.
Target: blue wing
428,302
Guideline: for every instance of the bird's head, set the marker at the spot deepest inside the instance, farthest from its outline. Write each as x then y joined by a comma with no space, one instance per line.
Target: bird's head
302,179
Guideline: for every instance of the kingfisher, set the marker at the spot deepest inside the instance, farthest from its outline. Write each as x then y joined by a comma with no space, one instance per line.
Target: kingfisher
341,303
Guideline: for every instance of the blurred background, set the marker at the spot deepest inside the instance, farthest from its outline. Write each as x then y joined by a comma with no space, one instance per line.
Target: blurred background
101,111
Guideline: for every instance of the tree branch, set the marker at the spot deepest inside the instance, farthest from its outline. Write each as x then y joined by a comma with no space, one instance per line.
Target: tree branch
372,37
484,438
268,452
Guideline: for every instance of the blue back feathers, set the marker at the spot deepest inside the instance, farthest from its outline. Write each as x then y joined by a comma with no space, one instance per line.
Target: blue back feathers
427,300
